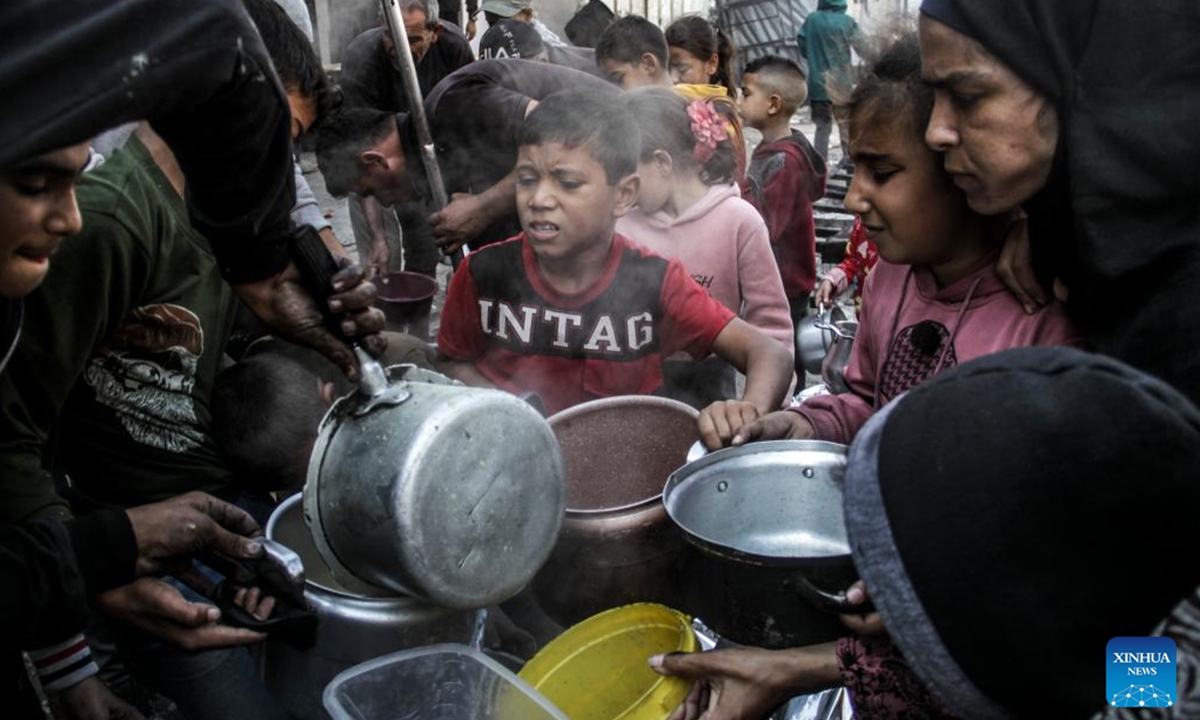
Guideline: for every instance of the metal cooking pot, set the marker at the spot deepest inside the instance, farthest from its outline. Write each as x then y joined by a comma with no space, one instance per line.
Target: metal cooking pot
833,368
766,523
425,487
813,340
617,545
353,627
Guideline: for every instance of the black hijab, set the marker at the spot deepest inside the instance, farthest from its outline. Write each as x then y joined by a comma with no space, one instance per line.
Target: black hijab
1125,78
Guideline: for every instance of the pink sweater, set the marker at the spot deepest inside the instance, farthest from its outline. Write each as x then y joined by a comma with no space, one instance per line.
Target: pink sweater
909,330
723,244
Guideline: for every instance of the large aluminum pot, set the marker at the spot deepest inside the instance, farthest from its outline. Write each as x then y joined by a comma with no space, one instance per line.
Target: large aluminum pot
428,488
771,559
812,340
352,627
616,546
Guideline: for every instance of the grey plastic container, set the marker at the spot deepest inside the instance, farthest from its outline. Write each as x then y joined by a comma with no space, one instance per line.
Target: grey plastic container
439,682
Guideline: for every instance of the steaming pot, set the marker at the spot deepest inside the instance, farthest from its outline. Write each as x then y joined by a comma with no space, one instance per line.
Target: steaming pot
616,546
427,488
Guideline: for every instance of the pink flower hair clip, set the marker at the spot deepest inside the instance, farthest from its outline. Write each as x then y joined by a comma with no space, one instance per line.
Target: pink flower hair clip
709,129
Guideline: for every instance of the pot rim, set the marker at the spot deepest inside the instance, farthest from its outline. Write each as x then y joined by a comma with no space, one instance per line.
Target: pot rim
591,406
727,552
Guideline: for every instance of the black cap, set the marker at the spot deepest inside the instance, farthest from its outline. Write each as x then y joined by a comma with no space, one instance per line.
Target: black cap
511,39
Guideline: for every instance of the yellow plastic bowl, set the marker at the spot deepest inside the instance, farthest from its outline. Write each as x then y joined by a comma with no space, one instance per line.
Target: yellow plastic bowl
597,670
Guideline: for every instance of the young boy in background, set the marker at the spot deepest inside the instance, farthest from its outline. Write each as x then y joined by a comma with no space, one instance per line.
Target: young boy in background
786,173
572,310
632,52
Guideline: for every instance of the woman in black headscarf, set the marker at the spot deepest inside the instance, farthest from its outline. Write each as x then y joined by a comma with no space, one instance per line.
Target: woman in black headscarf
1080,118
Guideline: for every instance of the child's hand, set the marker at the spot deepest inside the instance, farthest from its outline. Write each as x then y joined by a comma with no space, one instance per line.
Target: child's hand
867,623
779,425
825,294
721,420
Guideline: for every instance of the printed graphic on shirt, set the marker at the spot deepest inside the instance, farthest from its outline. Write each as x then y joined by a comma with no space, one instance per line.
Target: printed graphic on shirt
761,173
145,372
1140,672
545,330
914,356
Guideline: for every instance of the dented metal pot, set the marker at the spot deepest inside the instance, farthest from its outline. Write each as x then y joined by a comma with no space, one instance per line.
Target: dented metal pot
425,487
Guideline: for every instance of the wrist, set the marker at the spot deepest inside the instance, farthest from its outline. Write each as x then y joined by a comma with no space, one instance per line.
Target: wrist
809,669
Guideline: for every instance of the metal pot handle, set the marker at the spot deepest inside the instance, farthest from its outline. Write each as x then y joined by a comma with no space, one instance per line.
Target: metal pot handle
833,602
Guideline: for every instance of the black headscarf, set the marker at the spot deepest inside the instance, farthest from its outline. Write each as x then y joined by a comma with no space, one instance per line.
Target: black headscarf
1125,78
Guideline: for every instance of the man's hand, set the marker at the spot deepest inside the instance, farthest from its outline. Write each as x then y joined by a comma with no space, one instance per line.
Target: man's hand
720,421
169,532
825,294
379,259
747,683
90,699
779,425
158,608
459,222
282,303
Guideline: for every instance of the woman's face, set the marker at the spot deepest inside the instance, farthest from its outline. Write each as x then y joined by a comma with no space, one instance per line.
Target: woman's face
997,133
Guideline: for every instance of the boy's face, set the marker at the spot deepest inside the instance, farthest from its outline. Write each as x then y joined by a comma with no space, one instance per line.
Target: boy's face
908,204
564,200
37,210
755,103
646,73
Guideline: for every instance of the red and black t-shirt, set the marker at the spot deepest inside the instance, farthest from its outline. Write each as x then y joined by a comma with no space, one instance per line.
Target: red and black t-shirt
609,340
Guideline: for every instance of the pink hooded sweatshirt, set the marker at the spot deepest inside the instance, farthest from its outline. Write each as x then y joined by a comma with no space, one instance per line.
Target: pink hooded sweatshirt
909,330
723,244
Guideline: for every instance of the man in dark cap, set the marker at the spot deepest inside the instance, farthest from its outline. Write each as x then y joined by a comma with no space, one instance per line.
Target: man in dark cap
512,39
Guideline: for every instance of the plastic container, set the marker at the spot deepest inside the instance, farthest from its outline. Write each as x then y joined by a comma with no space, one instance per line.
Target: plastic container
598,670
439,682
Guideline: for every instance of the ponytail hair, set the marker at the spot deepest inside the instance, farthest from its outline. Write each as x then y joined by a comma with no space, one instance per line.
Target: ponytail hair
703,39
693,133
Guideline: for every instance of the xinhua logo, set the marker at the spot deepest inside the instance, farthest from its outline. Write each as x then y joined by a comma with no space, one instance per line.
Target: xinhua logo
1141,672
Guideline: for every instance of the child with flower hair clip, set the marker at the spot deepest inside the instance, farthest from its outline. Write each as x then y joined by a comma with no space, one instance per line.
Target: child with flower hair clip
689,208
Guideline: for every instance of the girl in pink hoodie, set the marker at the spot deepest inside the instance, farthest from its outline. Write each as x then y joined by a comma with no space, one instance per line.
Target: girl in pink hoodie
934,299
689,208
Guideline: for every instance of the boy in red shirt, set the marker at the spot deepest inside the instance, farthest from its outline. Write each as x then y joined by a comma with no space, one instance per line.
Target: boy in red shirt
786,174
573,311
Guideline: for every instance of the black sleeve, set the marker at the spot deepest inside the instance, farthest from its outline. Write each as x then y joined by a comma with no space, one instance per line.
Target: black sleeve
360,80
48,569
196,70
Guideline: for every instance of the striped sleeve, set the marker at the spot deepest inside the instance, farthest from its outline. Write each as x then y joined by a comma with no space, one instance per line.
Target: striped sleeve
62,665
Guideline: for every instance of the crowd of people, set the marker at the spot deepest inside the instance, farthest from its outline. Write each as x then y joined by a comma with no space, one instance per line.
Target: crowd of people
1020,177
